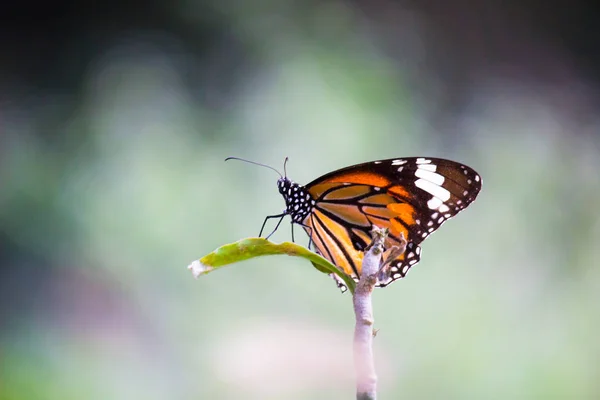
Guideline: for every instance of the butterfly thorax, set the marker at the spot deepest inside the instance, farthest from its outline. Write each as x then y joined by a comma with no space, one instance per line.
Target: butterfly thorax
298,201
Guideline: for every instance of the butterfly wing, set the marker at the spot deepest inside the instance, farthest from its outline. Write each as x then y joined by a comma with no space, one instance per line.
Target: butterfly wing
409,196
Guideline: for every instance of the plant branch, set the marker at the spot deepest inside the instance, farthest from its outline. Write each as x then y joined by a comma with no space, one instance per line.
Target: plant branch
366,378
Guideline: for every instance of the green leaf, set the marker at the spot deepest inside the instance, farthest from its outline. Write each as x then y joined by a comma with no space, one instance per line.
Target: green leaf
255,247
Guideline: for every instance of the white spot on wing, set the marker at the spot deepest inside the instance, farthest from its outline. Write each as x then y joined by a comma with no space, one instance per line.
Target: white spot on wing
434,203
433,189
398,162
428,167
430,176
423,161
443,208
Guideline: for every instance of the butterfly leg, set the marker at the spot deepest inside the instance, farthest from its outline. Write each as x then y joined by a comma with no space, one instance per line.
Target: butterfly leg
268,218
310,241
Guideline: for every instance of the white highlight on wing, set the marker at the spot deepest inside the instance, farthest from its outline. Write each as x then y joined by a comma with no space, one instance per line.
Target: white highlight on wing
443,208
433,189
434,203
430,176
428,167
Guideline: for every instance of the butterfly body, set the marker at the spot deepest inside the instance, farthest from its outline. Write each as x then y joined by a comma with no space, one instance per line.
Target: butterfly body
412,197
298,201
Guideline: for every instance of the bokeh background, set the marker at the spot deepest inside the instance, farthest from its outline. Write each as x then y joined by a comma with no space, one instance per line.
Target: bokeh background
115,119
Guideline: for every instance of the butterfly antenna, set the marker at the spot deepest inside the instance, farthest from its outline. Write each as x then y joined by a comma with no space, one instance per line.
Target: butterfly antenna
284,164
255,163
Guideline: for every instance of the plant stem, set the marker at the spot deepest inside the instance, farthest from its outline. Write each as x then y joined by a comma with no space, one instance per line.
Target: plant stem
366,378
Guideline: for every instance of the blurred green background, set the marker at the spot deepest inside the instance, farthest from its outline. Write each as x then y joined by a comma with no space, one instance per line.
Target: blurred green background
115,120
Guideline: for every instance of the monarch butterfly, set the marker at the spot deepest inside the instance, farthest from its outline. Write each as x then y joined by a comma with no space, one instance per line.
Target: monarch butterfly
411,196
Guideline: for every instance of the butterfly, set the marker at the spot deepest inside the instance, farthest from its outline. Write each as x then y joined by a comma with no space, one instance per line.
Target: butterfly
412,197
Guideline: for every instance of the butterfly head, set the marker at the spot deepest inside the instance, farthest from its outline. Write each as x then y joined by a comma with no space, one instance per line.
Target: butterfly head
284,184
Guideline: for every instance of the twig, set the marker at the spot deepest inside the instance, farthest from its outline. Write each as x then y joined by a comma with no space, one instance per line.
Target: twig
366,378
390,255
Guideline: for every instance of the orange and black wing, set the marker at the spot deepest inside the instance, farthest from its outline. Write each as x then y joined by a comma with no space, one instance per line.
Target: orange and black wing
409,196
